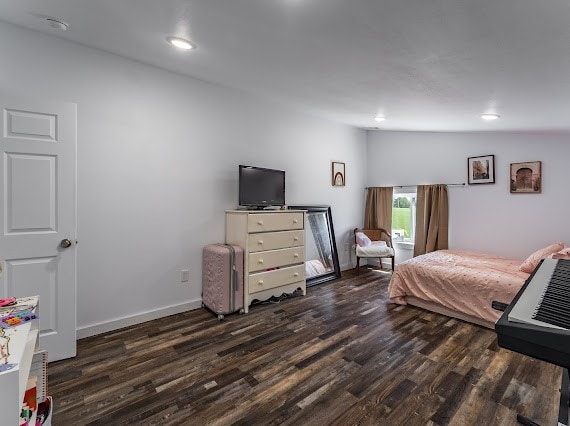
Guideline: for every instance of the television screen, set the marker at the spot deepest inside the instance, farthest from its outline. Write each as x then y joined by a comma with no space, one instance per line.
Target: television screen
260,187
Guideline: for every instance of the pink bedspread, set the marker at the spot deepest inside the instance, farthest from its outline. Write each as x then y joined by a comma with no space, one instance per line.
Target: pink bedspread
463,281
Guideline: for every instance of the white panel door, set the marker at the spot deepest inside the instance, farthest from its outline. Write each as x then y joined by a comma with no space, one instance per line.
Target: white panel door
38,216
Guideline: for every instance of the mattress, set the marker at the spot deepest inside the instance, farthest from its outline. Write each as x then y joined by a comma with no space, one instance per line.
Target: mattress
461,281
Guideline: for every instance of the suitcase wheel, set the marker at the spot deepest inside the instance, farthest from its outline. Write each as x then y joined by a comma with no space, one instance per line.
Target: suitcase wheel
242,311
220,317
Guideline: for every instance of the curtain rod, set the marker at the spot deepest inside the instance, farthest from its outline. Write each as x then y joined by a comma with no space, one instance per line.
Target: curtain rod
407,186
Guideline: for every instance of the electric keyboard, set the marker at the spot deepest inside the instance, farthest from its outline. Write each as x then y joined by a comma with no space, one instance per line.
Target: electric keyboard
537,323
528,335
546,300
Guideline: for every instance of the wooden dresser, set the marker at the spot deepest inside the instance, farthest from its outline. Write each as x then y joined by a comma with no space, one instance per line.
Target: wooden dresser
274,251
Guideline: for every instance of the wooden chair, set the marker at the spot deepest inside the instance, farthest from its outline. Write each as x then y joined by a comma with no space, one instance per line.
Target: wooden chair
375,235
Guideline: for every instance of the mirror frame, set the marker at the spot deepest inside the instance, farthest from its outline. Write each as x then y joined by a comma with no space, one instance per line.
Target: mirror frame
336,273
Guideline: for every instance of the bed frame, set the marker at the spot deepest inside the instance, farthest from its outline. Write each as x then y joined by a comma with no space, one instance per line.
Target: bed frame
434,307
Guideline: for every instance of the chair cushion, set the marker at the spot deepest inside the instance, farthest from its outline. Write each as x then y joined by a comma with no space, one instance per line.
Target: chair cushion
376,249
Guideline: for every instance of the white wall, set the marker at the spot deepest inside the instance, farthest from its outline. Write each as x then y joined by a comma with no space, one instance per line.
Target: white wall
482,217
158,156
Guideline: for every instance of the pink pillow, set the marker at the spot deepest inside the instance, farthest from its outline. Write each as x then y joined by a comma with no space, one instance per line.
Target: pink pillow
362,240
562,254
532,261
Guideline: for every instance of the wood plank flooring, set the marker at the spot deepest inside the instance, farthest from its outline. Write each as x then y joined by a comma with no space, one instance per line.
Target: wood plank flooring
342,355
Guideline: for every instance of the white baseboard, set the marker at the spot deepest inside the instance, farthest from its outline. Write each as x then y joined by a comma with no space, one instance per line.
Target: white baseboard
117,323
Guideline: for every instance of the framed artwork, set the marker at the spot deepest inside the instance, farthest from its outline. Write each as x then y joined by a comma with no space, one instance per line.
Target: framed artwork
481,169
338,174
526,178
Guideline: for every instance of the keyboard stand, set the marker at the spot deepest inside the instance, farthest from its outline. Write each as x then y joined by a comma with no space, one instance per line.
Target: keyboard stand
563,419
563,411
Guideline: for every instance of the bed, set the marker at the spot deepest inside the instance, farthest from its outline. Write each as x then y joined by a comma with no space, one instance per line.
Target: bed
457,283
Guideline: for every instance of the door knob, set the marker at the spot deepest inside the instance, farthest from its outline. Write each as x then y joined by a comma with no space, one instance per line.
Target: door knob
65,243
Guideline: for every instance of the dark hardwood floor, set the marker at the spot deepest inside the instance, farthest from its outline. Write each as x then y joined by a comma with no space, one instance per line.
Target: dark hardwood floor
341,355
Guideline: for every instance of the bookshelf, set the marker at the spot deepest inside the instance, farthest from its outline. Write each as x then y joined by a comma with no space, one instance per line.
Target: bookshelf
19,346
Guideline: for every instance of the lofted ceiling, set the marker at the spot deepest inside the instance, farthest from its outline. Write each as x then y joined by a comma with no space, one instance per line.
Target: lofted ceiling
433,65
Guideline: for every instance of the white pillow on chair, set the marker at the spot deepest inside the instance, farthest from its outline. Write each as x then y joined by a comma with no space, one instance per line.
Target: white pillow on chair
362,239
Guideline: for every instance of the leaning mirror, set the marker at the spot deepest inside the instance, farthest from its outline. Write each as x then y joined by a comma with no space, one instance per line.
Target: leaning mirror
321,257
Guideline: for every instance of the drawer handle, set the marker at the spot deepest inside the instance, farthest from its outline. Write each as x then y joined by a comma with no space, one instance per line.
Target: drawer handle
260,222
260,282
296,239
296,274
295,221
260,261
296,255
260,242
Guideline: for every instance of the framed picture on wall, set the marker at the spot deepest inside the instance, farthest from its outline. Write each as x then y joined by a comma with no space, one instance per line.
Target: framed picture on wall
338,174
526,178
481,169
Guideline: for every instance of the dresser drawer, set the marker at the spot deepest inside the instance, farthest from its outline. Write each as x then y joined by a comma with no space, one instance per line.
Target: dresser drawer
276,278
270,259
264,222
275,240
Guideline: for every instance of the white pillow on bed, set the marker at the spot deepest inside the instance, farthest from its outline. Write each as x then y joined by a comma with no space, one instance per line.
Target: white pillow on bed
532,261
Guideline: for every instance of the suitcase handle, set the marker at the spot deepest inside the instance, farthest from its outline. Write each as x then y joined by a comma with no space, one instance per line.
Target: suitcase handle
234,277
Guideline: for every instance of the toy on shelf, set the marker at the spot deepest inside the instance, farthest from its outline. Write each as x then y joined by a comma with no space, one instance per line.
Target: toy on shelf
17,318
8,302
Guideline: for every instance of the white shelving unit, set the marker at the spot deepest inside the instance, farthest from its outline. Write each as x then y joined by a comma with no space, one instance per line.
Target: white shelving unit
23,343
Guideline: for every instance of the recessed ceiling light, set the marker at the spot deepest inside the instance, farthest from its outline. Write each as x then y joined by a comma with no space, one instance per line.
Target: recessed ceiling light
57,24
489,116
380,118
180,43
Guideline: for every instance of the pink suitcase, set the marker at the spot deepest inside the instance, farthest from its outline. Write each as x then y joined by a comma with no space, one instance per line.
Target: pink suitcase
222,279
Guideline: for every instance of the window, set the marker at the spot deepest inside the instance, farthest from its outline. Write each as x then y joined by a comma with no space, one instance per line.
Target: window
404,217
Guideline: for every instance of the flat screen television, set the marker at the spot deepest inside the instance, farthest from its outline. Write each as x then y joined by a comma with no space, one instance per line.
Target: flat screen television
259,187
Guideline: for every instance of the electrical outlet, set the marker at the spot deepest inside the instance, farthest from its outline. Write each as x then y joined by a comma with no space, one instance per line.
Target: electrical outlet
184,276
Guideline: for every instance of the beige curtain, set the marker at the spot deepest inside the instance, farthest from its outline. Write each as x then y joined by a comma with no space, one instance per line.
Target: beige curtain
432,215
378,212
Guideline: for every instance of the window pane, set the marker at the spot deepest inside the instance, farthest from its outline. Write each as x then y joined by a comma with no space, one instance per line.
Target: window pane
403,211
401,219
